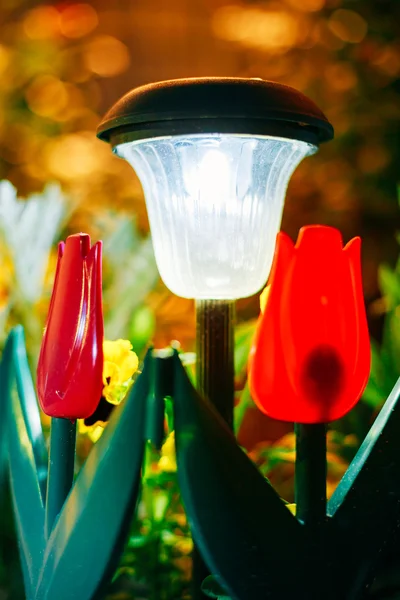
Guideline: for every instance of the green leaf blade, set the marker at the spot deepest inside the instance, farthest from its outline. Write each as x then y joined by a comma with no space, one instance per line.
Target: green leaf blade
26,457
89,534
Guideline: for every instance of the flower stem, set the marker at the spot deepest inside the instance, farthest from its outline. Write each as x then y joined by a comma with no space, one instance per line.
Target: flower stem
310,476
61,468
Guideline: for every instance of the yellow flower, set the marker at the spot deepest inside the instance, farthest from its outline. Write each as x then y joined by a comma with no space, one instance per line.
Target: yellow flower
167,461
120,363
93,431
264,297
184,545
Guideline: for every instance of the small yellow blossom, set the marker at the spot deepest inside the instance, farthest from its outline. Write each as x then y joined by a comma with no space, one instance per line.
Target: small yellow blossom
167,461
264,297
6,279
120,363
184,545
181,520
93,431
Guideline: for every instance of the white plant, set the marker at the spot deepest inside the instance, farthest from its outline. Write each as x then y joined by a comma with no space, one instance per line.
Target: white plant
29,228
135,274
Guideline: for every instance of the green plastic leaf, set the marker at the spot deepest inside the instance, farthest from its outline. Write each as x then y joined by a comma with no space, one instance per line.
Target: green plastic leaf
211,588
5,373
27,457
365,505
88,537
238,521
29,405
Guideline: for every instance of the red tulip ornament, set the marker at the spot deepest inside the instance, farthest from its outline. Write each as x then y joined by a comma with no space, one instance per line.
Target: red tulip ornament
69,374
310,360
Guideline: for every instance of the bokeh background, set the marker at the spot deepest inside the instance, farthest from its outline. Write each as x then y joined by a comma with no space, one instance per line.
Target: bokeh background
62,65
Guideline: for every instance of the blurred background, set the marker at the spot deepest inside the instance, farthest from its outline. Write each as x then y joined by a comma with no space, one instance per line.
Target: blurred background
62,65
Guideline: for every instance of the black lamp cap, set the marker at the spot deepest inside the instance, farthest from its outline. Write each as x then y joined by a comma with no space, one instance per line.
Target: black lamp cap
214,105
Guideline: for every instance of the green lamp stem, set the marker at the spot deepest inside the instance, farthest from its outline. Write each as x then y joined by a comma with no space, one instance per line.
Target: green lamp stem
61,468
310,475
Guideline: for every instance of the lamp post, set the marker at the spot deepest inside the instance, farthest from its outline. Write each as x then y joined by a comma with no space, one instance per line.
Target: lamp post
214,156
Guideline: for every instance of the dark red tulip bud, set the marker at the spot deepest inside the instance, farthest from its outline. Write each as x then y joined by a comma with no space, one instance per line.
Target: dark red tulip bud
69,374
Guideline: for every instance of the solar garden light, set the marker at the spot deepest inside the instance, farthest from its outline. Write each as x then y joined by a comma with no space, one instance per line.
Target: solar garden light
214,157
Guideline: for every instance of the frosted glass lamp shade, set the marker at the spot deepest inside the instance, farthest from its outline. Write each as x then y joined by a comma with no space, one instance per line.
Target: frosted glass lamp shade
214,155
215,204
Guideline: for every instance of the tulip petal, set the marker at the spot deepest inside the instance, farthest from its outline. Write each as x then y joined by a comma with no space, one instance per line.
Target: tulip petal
284,252
313,236
362,351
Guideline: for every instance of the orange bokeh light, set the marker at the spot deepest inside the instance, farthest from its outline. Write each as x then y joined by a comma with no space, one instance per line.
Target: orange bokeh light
348,26
272,30
106,56
41,23
46,96
77,20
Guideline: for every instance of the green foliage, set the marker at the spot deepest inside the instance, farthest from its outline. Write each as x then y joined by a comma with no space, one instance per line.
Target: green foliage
213,589
156,560
244,334
385,368
141,329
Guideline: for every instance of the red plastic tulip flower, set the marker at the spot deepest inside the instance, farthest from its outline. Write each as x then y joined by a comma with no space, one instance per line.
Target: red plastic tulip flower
69,375
310,361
